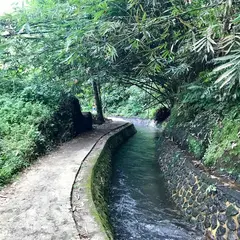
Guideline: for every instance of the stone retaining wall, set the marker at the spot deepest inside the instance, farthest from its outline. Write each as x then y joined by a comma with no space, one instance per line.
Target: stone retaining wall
208,202
90,191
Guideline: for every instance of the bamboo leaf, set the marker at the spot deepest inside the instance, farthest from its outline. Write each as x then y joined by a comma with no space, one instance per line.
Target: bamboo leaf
223,66
224,75
229,78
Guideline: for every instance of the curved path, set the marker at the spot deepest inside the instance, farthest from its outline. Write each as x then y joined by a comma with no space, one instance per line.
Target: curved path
37,206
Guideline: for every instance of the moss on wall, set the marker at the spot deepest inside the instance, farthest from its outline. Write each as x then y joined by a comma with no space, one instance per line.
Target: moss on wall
90,211
101,174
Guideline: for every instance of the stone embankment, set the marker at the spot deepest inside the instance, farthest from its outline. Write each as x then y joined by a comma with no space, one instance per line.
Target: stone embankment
208,201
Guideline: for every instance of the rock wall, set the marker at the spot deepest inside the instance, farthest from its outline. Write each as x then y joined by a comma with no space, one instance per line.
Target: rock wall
211,203
90,211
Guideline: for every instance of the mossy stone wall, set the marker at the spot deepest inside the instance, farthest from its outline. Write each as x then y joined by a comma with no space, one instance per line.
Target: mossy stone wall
102,172
209,203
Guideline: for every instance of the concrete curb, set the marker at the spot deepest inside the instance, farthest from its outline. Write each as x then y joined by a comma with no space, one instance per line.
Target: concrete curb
89,196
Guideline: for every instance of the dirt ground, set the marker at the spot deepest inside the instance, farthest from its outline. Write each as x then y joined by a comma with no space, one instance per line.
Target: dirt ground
37,205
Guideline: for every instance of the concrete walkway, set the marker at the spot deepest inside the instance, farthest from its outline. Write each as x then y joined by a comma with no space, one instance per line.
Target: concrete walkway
37,205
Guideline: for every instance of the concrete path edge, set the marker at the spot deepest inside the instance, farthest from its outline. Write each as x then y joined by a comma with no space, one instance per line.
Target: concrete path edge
89,195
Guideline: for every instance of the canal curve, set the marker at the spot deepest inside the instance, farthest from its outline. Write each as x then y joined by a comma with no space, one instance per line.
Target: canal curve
140,207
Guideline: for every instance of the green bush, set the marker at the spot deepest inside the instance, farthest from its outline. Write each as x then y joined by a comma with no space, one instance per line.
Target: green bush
224,148
32,121
19,134
196,147
208,126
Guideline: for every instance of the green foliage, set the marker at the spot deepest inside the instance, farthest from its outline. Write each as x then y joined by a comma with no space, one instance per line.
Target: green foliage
231,66
128,41
209,124
224,148
19,134
128,102
159,53
196,147
85,95
29,123
230,63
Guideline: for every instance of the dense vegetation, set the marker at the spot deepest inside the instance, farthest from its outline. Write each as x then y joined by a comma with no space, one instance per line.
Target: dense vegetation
35,115
133,56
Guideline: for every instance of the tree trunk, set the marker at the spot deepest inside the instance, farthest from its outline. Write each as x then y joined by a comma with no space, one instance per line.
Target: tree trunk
98,102
99,93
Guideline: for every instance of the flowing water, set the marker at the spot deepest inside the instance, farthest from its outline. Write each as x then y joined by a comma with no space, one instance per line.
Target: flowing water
139,203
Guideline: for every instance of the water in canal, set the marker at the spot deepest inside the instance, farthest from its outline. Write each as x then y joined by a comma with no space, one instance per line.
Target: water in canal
139,204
